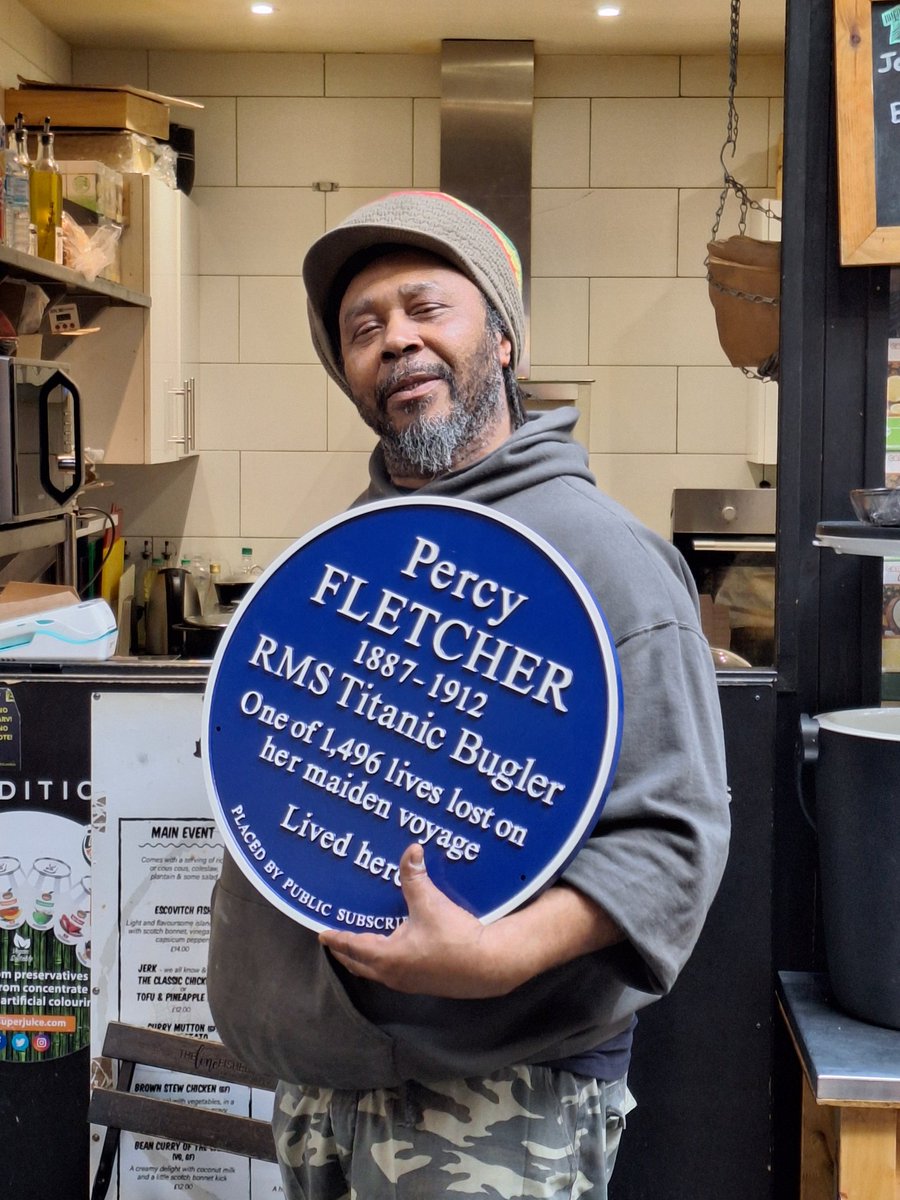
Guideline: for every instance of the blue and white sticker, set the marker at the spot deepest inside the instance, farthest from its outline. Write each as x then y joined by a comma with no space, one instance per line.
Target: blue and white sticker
416,670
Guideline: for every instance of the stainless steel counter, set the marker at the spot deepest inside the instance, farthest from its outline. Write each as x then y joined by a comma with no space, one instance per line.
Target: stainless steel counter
140,670
846,1061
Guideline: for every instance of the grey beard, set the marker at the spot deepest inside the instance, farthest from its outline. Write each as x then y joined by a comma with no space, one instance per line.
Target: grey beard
428,446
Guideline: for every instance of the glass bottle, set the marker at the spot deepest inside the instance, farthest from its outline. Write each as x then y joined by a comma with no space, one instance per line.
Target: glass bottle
73,919
12,889
215,577
46,199
49,875
17,191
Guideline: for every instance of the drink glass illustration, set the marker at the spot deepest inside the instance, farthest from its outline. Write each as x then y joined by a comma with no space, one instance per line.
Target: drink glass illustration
12,890
73,920
46,879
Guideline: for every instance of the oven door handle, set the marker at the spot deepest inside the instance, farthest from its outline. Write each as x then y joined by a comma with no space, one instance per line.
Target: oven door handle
750,546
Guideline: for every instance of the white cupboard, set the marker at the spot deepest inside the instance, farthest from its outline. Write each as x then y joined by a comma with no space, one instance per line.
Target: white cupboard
138,372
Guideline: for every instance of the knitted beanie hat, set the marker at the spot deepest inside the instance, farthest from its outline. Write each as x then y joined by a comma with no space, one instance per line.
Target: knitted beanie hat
431,221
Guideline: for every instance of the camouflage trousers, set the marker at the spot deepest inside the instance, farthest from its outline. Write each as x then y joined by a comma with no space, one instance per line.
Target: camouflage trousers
525,1131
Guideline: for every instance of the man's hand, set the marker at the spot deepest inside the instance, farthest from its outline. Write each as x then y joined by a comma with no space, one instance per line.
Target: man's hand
442,950
438,951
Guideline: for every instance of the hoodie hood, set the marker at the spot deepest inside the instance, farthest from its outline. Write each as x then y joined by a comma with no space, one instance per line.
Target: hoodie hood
540,450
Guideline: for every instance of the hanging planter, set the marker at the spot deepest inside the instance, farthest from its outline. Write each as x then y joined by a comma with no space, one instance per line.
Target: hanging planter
744,276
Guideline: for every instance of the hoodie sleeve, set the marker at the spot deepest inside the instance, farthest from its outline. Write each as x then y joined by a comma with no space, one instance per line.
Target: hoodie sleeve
657,855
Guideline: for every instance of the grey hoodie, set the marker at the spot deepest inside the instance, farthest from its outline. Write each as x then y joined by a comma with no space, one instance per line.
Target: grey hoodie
653,862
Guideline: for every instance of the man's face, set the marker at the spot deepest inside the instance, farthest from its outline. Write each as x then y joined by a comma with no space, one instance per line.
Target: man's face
423,365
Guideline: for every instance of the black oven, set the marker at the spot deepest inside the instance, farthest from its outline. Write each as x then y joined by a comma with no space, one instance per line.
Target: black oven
727,537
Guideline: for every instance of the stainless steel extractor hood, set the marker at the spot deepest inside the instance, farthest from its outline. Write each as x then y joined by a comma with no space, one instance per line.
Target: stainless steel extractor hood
487,112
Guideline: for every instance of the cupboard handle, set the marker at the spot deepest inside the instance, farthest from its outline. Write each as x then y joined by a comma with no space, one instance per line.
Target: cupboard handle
190,386
182,392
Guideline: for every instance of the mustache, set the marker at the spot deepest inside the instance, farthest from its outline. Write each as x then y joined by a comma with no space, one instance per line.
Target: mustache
403,371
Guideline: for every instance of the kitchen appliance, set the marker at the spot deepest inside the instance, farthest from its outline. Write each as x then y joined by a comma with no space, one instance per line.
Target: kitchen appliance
84,632
727,538
202,633
173,598
230,592
41,462
856,754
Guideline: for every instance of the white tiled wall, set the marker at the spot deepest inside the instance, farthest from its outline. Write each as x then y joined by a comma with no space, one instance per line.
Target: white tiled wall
626,183
29,49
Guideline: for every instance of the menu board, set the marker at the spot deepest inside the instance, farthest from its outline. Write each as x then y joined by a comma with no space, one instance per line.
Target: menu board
867,77
885,25
157,857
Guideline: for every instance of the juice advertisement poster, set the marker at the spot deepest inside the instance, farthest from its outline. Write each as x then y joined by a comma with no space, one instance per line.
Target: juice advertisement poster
45,936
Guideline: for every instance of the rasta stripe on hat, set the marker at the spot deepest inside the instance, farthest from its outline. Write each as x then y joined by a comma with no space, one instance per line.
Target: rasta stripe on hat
512,254
430,221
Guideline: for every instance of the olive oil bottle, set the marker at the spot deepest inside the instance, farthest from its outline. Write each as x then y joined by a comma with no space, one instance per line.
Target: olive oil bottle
46,199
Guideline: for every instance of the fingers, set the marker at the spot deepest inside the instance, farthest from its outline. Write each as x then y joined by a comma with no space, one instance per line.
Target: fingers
420,954
412,863
414,878
355,951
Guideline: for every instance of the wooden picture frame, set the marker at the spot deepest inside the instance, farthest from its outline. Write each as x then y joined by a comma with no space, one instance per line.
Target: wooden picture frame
863,241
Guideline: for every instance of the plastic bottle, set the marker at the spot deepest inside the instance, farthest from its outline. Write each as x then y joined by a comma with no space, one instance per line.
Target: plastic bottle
46,199
151,570
17,191
150,574
248,568
200,568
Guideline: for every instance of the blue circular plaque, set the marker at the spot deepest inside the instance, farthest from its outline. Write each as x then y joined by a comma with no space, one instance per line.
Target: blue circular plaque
414,670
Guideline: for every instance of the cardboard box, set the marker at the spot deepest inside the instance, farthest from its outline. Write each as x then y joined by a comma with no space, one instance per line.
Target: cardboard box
76,109
22,599
94,187
93,107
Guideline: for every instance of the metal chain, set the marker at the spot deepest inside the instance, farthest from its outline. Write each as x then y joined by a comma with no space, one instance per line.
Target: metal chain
768,369
751,296
731,184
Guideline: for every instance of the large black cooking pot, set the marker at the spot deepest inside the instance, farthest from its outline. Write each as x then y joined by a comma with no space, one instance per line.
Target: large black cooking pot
232,591
858,826
201,634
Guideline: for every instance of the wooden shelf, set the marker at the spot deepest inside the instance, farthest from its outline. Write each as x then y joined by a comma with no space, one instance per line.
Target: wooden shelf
14,539
38,270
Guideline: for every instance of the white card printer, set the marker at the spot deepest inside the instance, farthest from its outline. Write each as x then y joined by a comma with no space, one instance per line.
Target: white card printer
84,632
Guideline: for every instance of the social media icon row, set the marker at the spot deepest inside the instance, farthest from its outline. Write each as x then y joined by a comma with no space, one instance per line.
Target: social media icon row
19,1042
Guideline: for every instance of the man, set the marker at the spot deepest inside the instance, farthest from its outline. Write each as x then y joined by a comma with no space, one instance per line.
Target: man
450,1055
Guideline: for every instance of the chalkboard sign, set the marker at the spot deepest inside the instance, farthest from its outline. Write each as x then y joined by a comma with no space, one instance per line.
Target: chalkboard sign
867,74
886,107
